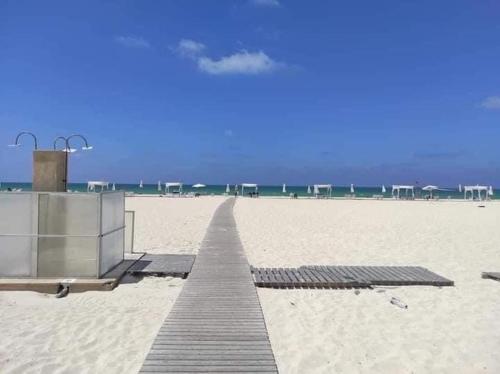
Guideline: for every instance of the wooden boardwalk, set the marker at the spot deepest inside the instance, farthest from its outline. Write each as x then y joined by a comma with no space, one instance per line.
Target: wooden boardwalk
347,277
216,324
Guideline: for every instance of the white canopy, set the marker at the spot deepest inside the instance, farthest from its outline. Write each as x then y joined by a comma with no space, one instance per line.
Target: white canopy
476,189
430,188
91,185
249,185
396,190
327,187
198,185
168,185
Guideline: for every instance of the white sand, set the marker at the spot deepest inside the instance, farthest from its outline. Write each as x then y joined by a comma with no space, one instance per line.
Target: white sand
448,330
103,332
171,225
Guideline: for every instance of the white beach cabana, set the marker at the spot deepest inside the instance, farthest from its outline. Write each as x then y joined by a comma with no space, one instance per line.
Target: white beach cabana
327,188
93,186
249,185
408,190
173,187
471,191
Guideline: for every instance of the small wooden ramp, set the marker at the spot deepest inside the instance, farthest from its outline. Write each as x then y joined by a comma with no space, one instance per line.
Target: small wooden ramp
216,324
347,277
163,265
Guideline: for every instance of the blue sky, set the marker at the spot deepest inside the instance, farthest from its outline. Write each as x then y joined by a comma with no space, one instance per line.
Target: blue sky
266,91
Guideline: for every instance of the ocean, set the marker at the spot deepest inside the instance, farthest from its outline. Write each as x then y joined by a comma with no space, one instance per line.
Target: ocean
301,191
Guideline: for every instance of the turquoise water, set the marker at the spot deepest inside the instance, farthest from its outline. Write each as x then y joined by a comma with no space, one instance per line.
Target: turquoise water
301,191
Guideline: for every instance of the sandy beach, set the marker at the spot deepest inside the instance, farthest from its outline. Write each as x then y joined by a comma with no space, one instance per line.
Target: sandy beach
104,332
448,330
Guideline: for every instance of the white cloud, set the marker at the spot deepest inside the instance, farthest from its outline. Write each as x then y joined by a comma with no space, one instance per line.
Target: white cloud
492,102
132,41
189,48
268,3
239,63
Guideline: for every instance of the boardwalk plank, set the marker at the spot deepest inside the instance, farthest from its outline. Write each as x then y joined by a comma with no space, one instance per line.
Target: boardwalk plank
216,324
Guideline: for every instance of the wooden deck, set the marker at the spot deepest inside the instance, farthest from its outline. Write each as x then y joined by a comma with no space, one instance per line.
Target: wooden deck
347,277
163,265
216,324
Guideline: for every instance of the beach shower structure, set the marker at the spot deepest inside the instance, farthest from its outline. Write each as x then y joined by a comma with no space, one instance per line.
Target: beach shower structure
50,167
51,233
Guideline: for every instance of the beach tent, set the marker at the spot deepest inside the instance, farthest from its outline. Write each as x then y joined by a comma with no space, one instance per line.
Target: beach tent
248,185
430,189
490,191
396,191
352,188
141,185
114,187
284,188
92,185
228,189
308,189
459,188
176,187
159,186
383,189
472,190
326,187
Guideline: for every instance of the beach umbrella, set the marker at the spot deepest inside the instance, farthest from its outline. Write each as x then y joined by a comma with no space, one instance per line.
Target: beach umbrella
459,188
490,191
284,188
228,189
159,186
141,185
430,189
308,189
352,188
198,185
383,189
114,187
316,190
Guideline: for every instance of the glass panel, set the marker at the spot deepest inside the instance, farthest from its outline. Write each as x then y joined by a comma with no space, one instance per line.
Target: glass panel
16,213
111,250
129,231
68,214
67,257
113,208
15,256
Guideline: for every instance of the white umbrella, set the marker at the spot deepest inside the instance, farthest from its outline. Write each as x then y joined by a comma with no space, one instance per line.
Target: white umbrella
490,191
459,188
308,189
159,185
316,190
198,185
141,185
228,189
114,187
383,189
352,188
284,188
